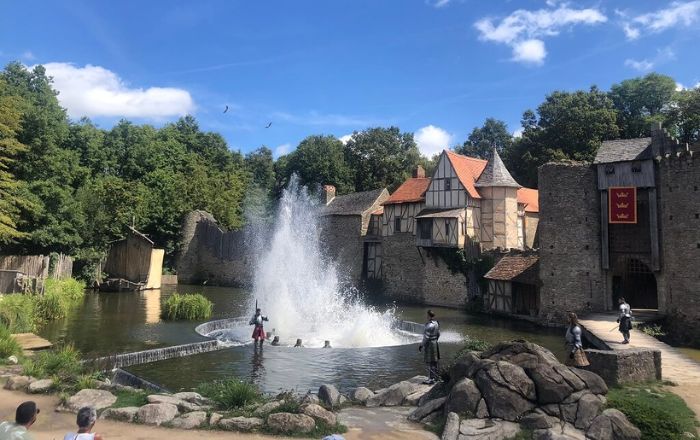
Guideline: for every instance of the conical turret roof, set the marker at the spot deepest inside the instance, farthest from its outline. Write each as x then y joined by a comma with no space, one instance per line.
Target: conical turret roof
496,174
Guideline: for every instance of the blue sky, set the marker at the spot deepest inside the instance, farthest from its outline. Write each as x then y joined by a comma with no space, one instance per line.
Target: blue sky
434,67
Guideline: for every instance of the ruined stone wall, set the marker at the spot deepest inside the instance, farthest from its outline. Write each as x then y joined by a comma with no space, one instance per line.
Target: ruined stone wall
209,254
440,286
679,224
341,240
569,237
402,268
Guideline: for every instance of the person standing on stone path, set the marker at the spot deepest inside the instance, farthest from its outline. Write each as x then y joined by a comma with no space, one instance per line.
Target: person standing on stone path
431,348
574,346
25,416
625,320
258,330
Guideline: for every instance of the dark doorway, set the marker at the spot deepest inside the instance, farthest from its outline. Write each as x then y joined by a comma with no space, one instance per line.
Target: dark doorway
637,283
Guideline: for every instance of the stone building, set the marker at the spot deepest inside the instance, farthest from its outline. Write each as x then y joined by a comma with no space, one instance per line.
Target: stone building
467,204
626,225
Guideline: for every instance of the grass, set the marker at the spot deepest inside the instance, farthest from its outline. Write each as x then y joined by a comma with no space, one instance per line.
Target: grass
18,313
8,345
62,365
190,306
659,414
129,398
230,394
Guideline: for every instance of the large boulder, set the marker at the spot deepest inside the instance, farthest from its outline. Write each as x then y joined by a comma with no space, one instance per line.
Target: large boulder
287,423
395,394
361,394
267,408
156,413
126,414
561,431
215,418
487,429
190,420
589,407
522,353
428,408
464,397
98,399
451,430
329,395
40,386
15,383
181,404
593,382
244,424
550,385
507,390
538,419
466,366
192,397
622,428
440,389
317,412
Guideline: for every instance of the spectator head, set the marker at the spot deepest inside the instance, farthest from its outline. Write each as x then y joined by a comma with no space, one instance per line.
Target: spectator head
26,413
86,417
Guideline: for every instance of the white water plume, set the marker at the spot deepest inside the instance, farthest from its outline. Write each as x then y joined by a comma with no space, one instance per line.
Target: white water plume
297,288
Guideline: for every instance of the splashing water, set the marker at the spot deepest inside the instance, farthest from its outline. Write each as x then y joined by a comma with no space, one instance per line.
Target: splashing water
298,289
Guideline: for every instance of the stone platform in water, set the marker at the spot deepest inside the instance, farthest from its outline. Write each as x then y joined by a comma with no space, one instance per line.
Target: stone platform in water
30,342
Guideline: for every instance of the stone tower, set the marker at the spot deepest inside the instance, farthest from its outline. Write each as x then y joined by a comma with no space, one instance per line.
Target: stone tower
499,205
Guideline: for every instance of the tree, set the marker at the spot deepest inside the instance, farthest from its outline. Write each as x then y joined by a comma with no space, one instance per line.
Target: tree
320,160
684,116
260,165
381,157
641,101
482,140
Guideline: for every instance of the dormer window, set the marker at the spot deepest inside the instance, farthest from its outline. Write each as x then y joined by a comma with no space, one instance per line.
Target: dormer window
609,169
448,184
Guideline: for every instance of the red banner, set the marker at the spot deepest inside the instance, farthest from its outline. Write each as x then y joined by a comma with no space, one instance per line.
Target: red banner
622,205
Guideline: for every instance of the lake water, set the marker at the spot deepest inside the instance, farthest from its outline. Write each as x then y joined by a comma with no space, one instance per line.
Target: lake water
109,323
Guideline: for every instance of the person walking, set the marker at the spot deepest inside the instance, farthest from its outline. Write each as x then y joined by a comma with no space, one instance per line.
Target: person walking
25,417
258,330
625,320
431,348
574,346
86,421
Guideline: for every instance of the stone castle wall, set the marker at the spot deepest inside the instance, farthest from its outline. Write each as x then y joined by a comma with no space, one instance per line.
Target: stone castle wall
569,237
341,240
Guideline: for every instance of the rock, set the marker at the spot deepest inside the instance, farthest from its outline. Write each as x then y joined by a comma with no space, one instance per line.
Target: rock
342,400
559,432
182,405
319,413
464,397
589,407
600,429
329,395
552,410
521,353
593,382
156,413
451,430
487,429
482,411
214,419
267,408
12,360
621,427
286,422
440,389
536,420
568,412
465,366
575,397
190,420
394,395
126,414
573,380
415,398
310,398
504,397
423,411
98,399
550,385
16,383
245,424
360,395
40,386
192,397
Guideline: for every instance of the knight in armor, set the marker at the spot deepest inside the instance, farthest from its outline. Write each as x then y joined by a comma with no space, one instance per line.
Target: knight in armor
430,348
258,330
625,320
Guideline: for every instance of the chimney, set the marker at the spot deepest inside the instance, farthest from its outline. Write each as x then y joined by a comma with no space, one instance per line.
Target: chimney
419,172
327,194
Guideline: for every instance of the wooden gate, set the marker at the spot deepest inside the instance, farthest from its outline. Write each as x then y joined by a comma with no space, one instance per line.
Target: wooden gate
499,297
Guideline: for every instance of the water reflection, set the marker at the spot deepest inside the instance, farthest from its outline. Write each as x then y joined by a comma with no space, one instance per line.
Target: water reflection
257,373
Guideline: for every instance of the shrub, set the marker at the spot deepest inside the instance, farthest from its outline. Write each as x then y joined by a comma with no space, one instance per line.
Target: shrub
230,393
50,307
84,382
8,345
191,306
659,414
127,398
18,313
69,288
63,364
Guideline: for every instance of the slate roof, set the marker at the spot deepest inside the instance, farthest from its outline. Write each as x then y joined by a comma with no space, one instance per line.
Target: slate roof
496,174
516,268
412,190
530,198
624,150
468,170
352,204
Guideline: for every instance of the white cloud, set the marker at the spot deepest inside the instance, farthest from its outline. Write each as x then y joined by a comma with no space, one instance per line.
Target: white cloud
524,30
28,55
96,91
679,87
281,150
518,133
316,118
641,65
676,14
438,3
345,139
432,140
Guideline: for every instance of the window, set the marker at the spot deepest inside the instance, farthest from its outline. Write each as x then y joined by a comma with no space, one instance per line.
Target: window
609,169
426,229
397,224
447,229
636,167
448,184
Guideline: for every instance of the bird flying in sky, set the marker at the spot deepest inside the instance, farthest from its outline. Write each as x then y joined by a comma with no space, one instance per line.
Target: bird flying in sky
268,125
226,109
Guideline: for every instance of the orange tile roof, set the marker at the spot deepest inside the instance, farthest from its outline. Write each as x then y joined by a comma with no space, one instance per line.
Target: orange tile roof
412,190
468,170
379,211
529,198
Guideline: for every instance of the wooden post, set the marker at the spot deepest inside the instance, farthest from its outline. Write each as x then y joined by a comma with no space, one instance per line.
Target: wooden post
604,237
654,230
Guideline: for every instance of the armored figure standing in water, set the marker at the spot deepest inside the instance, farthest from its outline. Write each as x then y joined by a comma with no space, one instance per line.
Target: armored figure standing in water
430,347
258,330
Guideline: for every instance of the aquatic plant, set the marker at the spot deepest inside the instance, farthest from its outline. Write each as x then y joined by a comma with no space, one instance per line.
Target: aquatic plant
18,313
68,288
63,364
191,306
8,345
58,298
230,394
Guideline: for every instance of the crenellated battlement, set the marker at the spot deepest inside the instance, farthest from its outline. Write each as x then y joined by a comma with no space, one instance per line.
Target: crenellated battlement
666,149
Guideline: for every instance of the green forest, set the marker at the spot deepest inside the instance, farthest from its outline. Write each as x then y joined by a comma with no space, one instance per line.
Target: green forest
72,187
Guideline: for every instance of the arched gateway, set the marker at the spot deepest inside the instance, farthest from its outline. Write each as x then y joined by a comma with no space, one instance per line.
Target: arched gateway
633,280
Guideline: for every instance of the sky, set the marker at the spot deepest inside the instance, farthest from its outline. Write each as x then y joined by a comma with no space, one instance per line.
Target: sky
437,68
